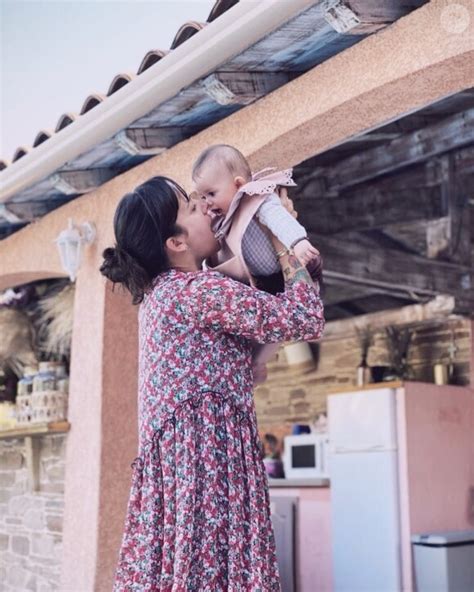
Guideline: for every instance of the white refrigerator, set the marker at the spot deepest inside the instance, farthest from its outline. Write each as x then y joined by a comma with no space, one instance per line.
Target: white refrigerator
364,491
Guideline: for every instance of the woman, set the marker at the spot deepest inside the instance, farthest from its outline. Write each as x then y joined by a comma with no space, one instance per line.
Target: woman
198,516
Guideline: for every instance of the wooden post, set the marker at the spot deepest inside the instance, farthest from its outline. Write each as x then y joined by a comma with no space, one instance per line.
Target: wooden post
32,446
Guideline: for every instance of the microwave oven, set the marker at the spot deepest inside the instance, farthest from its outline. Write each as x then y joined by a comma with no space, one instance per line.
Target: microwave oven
306,456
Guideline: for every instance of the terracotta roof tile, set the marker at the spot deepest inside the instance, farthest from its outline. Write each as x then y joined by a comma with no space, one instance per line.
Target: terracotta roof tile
41,137
91,102
152,57
186,32
219,8
65,120
20,152
118,82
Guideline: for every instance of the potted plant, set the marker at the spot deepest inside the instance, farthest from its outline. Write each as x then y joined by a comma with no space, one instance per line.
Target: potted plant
398,344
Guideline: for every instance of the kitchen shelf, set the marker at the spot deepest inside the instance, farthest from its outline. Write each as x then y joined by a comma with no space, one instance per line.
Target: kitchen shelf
31,435
36,429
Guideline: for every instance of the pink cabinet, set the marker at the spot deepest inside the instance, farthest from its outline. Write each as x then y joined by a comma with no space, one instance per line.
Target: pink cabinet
312,536
436,462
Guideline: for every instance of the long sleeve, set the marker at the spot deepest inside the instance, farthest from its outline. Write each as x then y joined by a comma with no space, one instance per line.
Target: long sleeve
224,305
281,223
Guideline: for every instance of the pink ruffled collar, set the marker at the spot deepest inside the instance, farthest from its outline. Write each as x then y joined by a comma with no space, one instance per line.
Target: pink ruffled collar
262,183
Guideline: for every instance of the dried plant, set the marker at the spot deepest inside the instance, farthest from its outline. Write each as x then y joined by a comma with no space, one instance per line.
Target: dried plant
364,337
398,343
55,322
16,340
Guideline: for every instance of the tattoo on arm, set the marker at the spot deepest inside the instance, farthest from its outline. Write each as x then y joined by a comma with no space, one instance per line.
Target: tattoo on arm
294,262
293,272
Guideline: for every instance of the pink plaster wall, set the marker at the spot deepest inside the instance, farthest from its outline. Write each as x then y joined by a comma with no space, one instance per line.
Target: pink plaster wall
440,460
436,462
313,537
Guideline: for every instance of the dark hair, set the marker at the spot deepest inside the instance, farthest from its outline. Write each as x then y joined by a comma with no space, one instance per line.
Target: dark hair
143,221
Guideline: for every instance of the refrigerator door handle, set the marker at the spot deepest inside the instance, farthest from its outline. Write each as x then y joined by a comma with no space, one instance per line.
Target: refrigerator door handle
377,448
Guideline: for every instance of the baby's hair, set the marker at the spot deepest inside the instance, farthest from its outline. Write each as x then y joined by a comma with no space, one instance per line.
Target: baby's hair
233,159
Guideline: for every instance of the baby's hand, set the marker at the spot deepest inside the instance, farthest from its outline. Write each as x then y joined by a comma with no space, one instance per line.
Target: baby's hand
305,251
286,202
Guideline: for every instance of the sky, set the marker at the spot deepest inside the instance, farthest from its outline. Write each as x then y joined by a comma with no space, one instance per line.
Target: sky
53,54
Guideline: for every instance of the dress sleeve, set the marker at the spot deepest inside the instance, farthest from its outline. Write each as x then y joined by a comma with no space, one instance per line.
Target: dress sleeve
281,223
225,305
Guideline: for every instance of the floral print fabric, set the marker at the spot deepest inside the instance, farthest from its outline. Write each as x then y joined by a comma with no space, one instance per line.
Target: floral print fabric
198,517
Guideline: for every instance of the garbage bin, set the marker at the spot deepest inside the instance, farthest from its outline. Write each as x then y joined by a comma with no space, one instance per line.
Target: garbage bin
444,561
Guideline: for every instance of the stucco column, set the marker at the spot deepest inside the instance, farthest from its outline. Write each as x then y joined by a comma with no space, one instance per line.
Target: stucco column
103,437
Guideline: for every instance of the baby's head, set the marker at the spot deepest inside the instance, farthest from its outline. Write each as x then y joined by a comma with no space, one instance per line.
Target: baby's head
218,173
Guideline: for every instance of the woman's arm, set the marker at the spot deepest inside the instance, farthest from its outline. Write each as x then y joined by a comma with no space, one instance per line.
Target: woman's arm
293,271
221,304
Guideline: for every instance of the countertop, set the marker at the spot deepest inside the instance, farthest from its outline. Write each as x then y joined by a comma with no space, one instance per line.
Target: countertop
298,482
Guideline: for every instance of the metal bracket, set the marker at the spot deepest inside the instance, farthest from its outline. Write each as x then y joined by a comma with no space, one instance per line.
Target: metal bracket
341,18
218,91
9,216
123,140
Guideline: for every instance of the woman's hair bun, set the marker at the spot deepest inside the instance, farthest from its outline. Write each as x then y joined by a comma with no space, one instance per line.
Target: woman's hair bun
122,268
113,266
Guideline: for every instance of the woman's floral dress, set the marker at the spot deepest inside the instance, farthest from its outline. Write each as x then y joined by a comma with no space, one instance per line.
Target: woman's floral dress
198,517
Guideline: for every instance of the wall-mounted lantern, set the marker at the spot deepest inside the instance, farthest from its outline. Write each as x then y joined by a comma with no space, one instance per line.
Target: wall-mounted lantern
70,244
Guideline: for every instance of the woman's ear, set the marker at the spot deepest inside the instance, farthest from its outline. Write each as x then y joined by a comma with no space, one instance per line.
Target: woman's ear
176,244
239,181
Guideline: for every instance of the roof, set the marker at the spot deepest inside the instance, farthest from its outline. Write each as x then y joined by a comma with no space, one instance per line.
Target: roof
185,32
314,35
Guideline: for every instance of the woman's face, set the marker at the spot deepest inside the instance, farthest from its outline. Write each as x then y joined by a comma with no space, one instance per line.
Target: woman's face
193,219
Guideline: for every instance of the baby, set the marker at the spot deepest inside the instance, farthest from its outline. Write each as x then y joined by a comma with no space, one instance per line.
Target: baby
243,207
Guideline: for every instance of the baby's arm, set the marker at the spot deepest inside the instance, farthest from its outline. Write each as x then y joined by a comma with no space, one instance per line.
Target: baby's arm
286,228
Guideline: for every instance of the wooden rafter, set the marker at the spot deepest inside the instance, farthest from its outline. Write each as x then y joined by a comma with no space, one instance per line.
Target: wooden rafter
393,269
440,307
77,182
406,198
449,134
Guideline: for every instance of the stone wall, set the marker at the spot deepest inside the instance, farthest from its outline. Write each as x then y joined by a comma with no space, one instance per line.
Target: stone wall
31,522
289,396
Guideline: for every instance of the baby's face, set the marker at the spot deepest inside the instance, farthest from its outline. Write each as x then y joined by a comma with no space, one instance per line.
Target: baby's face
216,186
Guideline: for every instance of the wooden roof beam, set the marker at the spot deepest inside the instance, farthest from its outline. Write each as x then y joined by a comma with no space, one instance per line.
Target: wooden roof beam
148,141
228,88
392,269
357,17
371,209
455,196
77,182
447,135
440,307
405,198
